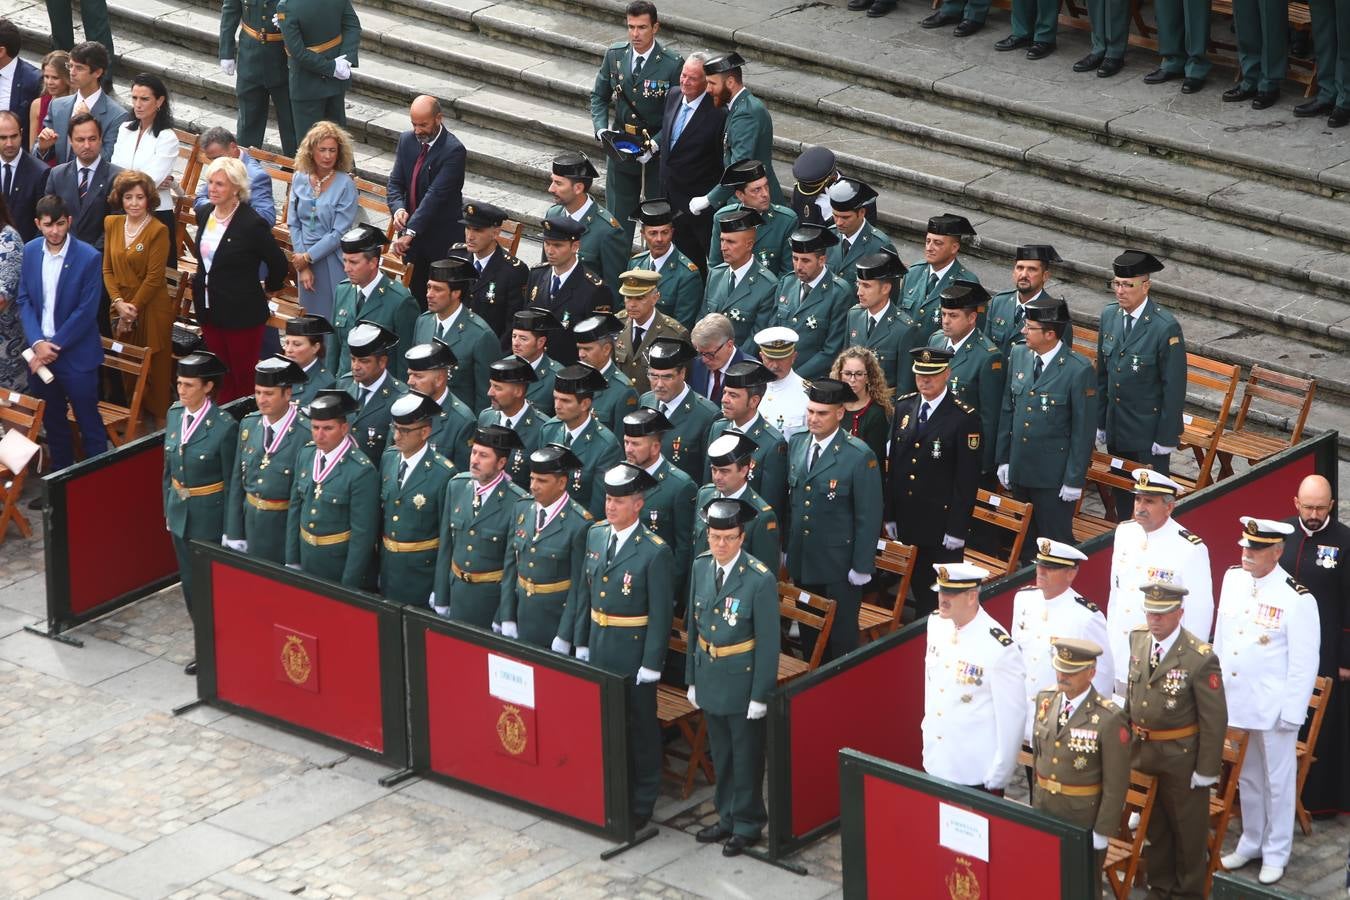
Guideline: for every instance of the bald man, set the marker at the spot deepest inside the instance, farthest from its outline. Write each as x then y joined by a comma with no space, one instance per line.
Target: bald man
426,191
1315,555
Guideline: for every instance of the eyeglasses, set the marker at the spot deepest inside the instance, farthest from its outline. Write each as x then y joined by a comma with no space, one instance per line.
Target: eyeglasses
710,354
852,376
409,429
1117,284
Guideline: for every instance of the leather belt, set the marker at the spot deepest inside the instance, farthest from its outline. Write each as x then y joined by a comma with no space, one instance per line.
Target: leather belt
266,37
717,652
535,587
1164,734
394,546
204,490
324,540
1068,790
605,620
267,505
475,577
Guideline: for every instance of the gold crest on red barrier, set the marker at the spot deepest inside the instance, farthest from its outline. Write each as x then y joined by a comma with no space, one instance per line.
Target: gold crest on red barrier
511,730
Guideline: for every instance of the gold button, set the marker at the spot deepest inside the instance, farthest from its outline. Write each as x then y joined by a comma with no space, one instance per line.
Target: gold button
395,518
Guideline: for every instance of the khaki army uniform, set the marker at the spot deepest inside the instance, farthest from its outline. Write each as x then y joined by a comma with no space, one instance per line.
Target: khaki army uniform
681,285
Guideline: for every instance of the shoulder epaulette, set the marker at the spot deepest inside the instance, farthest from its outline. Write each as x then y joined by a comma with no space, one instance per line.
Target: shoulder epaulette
1296,586
540,267
1237,566
962,405
707,553
657,539
1001,636
586,514
515,262
1086,603
360,459
618,45
1191,536
907,396
692,267
758,566
595,279
1139,628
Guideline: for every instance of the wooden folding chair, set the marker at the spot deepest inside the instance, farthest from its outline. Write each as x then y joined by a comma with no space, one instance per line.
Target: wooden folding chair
673,709
1085,344
1218,382
1286,392
1223,796
1106,473
808,610
124,359
1124,851
510,235
191,160
282,169
874,621
23,414
1007,514
1303,750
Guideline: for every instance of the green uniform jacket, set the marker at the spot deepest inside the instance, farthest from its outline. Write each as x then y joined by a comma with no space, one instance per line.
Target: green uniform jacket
819,320
348,500
1047,429
681,285
1185,689
921,303
412,514
978,379
208,458
258,64
639,105
1093,748
453,430
605,246
639,581
834,512
1003,324
686,443
1141,379
761,533
748,306
891,340
475,348
773,246
748,134
668,512
615,401
390,305
746,609
371,423
313,23
549,559
768,464
540,391
867,239
319,378
268,478
476,541
599,451
530,427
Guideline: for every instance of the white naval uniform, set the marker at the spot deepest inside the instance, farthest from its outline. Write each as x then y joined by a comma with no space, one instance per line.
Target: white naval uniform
1267,637
1171,554
1037,622
974,702
784,404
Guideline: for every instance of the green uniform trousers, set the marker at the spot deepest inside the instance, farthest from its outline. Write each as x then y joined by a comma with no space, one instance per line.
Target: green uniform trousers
975,10
265,531
94,17
180,552
1110,27
737,747
318,109
644,741
1331,44
251,126
1183,36
1263,42
1036,19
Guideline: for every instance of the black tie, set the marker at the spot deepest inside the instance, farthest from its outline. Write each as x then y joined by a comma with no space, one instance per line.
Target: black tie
1036,370
402,471
613,548
84,182
923,415
188,421
638,334
567,439
323,462
815,457
267,436
541,520
1129,324
9,179
637,68
557,286
366,394
1155,659
1065,712
871,323
478,265
932,282
718,580
1019,314
806,289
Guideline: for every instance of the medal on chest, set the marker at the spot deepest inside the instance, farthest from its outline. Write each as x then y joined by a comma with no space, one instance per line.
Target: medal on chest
969,673
937,449
675,450
1134,366
1328,557
731,611
1082,740
1174,682
834,484
627,583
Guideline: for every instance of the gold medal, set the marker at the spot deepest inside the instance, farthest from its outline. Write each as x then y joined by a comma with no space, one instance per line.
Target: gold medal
266,461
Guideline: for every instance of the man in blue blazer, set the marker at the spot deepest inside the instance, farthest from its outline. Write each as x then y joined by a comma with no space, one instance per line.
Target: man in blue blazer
88,212
19,77
691,155
88,62
59,290
714,340
426,188
23,179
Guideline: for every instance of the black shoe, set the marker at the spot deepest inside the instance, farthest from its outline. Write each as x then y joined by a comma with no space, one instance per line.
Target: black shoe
1040,50
711,834
1011,42
967,28
1192,85
1089,62
1239,92
38,503
641,822
736,844
190,668
859,5
1340,117
1159,76
1313,107
879,9
1266,99
1111,66
937,20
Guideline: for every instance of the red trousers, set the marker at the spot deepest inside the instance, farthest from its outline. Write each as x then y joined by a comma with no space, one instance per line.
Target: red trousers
239,349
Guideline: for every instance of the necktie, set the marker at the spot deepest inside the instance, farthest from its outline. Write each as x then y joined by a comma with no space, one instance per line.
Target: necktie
417,170
845,245
815,457
1036,369
1019,314
932,282
923,414
84,182
360,299
718,580
81,107
637,68
323,462
365,395
267,436
542,517
9,179
806,289
613,548
402,471
871,323
478,266
441,329
681,120
567,439
1064,713
1156,658
951,348
1129,324
716,393
734,281
506,421
188,421
638,334
557,286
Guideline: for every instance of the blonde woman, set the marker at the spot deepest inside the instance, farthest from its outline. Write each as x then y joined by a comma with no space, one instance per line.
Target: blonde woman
55,83
869,417
323,207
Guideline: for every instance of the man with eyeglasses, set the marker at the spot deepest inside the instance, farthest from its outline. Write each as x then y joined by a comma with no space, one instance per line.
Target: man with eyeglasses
1141,373
690,414
714,337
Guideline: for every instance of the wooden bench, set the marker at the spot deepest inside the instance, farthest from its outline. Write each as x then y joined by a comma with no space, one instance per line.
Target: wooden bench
1006,514
674,710
1107,473
875,621
1124,851
807,610
1288,392
1303,750
21,414
1223,797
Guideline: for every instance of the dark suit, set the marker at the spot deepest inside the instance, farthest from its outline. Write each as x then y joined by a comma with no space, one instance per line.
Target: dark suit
26,87
109,113
433,201
583,294
76,334
691,167
236,299
27,186
700,379
499,293
86,215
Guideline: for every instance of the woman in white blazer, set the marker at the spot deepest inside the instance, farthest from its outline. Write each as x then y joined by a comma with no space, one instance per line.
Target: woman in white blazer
147,143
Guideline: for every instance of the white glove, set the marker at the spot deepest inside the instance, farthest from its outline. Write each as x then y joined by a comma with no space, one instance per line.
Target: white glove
561,646
584,654
952,543
276,23
1070,495
1100,841
699,205
442,611
295,566
227,66
1203,781
241,545
756,710
1101,438
692,694
341,68
858,579
1159,450
782,558
647,676
892,532
1133,823
645,158
1002,473
509,630
496,627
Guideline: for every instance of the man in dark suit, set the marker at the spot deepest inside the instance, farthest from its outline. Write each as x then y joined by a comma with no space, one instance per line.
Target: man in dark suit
88,64
691,156
83,182
23,179
499,290
714,339
20,80
58,302
565,287
427,183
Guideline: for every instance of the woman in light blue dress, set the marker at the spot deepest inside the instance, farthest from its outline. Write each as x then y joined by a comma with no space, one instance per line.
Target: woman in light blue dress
323,207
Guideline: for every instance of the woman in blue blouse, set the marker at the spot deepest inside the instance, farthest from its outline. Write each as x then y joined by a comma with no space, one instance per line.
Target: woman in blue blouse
323,207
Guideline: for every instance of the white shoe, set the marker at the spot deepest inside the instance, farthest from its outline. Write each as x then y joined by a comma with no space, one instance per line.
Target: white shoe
1270,874
1234,861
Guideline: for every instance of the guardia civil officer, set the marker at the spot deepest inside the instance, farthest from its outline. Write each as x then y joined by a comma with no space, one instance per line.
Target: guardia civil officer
977,372
851,203
429,366
302,341
269,445
413,478
925,281
497,288
595,339
813,301
469,338
322,38
367,295
257,59
878,322
594,445
681,282
742,393
604,244
732,667
530,331
510,377
372,385
813,171
749,183
1007,309
668,506
731,460
740,287
688,413
748,133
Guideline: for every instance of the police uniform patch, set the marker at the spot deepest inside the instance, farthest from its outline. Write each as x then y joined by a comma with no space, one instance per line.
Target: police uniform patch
1173,341
973,441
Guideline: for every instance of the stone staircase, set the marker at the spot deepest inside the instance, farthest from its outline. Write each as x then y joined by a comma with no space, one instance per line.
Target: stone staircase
1245,208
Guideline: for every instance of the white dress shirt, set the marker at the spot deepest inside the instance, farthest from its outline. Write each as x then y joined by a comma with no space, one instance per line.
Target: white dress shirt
52,264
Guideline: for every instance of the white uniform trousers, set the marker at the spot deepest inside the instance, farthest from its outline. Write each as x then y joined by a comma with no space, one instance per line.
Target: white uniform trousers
1268,787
